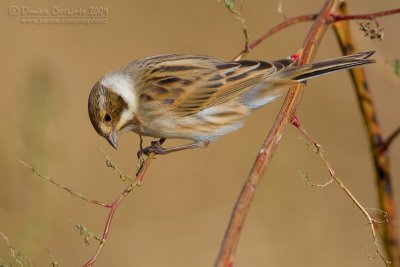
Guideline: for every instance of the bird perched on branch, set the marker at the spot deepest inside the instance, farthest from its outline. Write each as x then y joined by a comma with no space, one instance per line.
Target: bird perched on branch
199,98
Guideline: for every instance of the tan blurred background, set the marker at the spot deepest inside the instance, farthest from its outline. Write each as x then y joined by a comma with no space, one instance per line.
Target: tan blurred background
179,215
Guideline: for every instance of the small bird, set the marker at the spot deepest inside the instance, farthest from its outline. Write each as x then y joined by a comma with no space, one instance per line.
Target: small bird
199,98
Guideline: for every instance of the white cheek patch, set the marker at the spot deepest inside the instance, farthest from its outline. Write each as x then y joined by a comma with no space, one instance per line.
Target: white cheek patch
122,85
126,116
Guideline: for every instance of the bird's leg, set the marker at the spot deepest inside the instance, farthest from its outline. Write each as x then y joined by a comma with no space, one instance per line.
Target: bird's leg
141,143
140,151
157,149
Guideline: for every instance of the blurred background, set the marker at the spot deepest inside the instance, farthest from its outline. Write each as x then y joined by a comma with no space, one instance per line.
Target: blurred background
179,215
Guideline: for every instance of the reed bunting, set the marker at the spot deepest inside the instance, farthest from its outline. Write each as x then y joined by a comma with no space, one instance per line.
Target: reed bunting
199,98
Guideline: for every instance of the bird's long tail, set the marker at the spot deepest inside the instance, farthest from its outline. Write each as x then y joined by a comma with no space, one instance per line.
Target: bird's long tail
277,85
303,73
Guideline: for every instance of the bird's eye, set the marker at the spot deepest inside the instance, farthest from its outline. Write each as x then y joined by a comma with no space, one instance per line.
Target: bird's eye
107,117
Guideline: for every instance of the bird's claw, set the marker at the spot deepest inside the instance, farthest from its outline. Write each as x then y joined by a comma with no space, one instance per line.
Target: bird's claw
155,148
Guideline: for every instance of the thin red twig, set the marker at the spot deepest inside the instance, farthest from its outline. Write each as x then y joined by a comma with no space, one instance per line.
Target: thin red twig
285,24
333,17
113,208
114,205
370,16
318,149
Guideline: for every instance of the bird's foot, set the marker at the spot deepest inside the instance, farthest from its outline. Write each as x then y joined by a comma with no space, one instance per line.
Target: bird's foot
155,148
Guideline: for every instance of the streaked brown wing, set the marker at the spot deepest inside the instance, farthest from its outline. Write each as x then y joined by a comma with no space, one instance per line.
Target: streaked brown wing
188,84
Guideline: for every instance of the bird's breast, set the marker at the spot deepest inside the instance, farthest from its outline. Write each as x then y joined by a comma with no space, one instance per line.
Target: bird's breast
205,125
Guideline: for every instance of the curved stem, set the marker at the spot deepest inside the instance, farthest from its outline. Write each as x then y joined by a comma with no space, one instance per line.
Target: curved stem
113,207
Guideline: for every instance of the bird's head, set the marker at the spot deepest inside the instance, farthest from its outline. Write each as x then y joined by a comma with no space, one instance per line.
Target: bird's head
111,106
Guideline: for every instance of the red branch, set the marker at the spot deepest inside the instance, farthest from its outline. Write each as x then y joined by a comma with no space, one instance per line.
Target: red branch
226,256
114,205
304,18
113,208
283,25
370,16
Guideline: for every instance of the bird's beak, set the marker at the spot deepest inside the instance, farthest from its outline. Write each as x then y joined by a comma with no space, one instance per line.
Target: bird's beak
112,138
